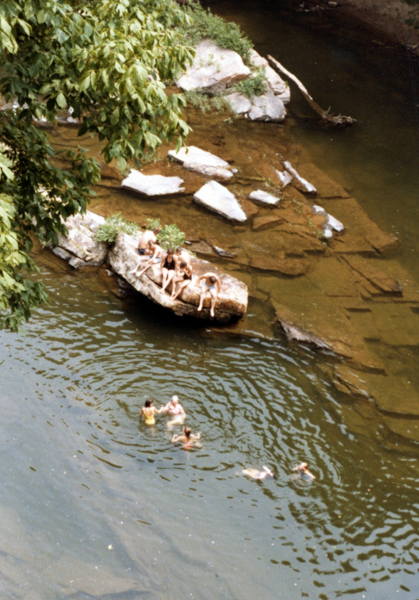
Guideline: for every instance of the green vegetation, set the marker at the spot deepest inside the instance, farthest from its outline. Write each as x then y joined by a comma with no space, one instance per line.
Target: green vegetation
252,86
107,61
207,25
108,231
205,103
171,237
153,224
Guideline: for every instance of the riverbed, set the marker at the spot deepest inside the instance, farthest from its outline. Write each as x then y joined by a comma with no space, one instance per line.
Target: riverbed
95,504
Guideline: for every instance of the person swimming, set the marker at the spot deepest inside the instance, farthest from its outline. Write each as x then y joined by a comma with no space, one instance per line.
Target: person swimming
256,474
148,411
304,473
187,438
175,410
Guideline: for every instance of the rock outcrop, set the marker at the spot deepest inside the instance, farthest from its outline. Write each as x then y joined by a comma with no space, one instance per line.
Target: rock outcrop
195,159
213,69
79,247
231,303
266,107
152,185
219,199
275,82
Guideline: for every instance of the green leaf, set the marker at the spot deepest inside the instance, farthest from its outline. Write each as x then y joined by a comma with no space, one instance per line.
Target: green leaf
61,100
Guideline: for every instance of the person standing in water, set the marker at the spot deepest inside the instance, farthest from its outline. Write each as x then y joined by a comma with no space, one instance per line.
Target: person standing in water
187,438
148,411
175,410
303,472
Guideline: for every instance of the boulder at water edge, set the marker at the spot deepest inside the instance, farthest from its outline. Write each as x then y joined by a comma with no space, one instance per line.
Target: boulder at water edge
232,301
80,247
275,83
219,199
266,107
213,69
152,185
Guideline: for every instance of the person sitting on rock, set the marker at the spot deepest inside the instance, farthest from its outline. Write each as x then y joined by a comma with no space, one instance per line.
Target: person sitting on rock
187,438
256,474
168,269
183,276
149,235
144,256
157,257
211,284
303,472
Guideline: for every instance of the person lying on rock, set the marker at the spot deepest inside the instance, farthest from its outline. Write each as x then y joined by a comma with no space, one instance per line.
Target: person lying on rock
168,269
211,284
187,438
156,258
183,277
175,410
144,256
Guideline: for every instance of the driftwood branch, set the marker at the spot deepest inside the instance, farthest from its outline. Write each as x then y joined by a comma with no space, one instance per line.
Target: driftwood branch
340,120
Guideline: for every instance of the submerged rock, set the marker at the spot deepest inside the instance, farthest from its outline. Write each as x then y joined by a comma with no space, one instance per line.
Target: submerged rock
264,197
219,199
204,162
152,185
213,69
232,300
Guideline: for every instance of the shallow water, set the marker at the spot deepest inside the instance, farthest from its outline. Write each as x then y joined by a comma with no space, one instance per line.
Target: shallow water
95,505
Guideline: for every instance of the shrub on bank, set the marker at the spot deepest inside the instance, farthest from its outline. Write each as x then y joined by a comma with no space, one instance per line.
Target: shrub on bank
108,231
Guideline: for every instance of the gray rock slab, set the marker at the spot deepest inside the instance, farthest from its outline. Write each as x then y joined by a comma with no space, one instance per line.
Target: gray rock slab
299,182
213,69
275,82
80,240
216,172
219,199
267,107
61,253
284,177
152,185
264,197
332,222
233,297
195,155
239,103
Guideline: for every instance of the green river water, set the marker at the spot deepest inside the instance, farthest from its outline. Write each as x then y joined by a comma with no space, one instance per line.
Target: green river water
94,505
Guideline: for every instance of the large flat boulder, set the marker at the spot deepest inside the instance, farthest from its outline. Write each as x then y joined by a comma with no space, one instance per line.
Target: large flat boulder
266,107
152,185
204,162
219,199
213,69
80,246
232,301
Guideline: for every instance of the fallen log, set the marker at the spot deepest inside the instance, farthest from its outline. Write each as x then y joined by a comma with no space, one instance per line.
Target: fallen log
339,121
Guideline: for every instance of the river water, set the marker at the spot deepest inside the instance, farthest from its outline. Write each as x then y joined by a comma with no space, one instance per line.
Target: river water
95,505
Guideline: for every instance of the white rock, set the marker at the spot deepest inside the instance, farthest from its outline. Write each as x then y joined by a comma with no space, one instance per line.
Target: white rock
152,185
331,222
277,85
284,177
193,154
264,197
267,107
80,240
213,69
301,183
219,199
239,103
217,172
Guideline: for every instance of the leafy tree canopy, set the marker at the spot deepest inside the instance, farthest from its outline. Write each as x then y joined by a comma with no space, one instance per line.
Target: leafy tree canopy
107,61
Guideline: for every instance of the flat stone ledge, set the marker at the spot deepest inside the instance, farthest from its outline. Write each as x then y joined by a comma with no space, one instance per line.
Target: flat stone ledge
220,200
152,185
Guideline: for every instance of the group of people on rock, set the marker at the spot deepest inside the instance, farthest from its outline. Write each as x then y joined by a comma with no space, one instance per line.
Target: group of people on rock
188,439
176,270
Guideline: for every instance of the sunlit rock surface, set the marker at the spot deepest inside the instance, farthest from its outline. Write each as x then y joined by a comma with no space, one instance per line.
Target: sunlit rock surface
213,69
264,198
152,185
219,199
275,82
232,300
80,247
266,107
195,159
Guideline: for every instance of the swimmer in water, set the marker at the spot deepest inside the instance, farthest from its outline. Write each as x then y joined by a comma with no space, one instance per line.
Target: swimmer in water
148,411
175,410
256,474
303,472
187,438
